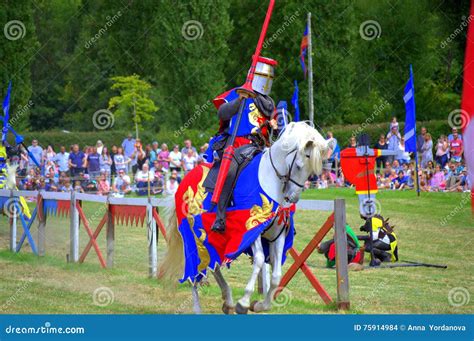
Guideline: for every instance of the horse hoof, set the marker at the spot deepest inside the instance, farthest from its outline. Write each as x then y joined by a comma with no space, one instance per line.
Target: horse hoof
228,310
241,310
252,306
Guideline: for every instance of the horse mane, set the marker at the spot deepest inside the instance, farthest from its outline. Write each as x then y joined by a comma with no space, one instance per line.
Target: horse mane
297,135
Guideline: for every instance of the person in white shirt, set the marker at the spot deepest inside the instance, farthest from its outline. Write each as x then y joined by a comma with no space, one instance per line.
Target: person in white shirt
143,178
171,185
175,159
145,174
189,161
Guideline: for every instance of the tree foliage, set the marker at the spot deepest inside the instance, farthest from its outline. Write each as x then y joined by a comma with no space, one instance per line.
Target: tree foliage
188,52
133,103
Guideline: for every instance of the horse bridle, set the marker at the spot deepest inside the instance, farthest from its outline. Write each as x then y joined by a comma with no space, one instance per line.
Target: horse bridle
285,179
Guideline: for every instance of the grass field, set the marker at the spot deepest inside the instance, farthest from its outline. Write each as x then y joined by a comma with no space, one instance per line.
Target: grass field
435,228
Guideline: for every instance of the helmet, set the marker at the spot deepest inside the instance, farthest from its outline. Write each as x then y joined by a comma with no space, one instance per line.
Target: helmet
263,75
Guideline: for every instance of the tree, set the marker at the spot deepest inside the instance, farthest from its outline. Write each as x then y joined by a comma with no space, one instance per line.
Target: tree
133,103
18,47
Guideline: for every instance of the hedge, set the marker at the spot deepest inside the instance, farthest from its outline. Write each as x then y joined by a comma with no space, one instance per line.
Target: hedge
199,137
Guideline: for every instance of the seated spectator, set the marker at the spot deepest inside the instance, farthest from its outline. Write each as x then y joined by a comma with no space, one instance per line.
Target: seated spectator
66,186
103,185
396,166
171,185
401,181
144,179
78,186
158,184
176,174
122,183
437,181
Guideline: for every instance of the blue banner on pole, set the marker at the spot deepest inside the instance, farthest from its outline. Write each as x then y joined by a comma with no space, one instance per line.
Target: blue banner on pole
6,113
410,120
294,102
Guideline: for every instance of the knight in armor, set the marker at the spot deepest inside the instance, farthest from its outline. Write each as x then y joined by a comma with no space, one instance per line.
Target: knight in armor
252,132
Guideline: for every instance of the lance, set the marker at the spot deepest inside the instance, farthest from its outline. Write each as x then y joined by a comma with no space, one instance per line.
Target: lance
245,91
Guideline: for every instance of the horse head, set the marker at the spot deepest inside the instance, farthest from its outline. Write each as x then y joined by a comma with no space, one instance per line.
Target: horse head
298,154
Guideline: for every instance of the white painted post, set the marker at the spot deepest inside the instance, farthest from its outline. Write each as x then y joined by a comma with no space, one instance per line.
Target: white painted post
13,225
74,231
152,241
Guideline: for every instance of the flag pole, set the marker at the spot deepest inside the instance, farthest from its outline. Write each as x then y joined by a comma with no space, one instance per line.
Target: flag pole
310,72
416,149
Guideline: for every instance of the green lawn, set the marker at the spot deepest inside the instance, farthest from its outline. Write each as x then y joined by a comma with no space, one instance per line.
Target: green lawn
426,230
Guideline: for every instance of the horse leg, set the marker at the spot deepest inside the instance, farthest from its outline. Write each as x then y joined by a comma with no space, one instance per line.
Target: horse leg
243,304
196,304
276,255
228,306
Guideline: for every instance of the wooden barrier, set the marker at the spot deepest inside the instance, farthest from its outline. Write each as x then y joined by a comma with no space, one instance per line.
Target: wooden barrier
337,219
128,210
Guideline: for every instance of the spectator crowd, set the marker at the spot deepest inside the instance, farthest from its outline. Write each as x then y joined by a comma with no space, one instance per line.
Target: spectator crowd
153,169
131,167
441,165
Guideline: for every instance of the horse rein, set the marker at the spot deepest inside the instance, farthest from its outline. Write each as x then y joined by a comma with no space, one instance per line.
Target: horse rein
285,178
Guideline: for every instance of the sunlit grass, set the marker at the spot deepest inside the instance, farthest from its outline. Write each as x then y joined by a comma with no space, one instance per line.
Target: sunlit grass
29,284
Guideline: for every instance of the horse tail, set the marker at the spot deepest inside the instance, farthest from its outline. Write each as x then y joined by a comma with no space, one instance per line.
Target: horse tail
173,263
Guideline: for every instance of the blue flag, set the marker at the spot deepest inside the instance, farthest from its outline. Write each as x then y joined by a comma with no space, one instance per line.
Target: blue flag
294,102
410,120
6,114
282,115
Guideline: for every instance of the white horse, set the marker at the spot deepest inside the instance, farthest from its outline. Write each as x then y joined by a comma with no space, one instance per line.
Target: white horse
282,172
